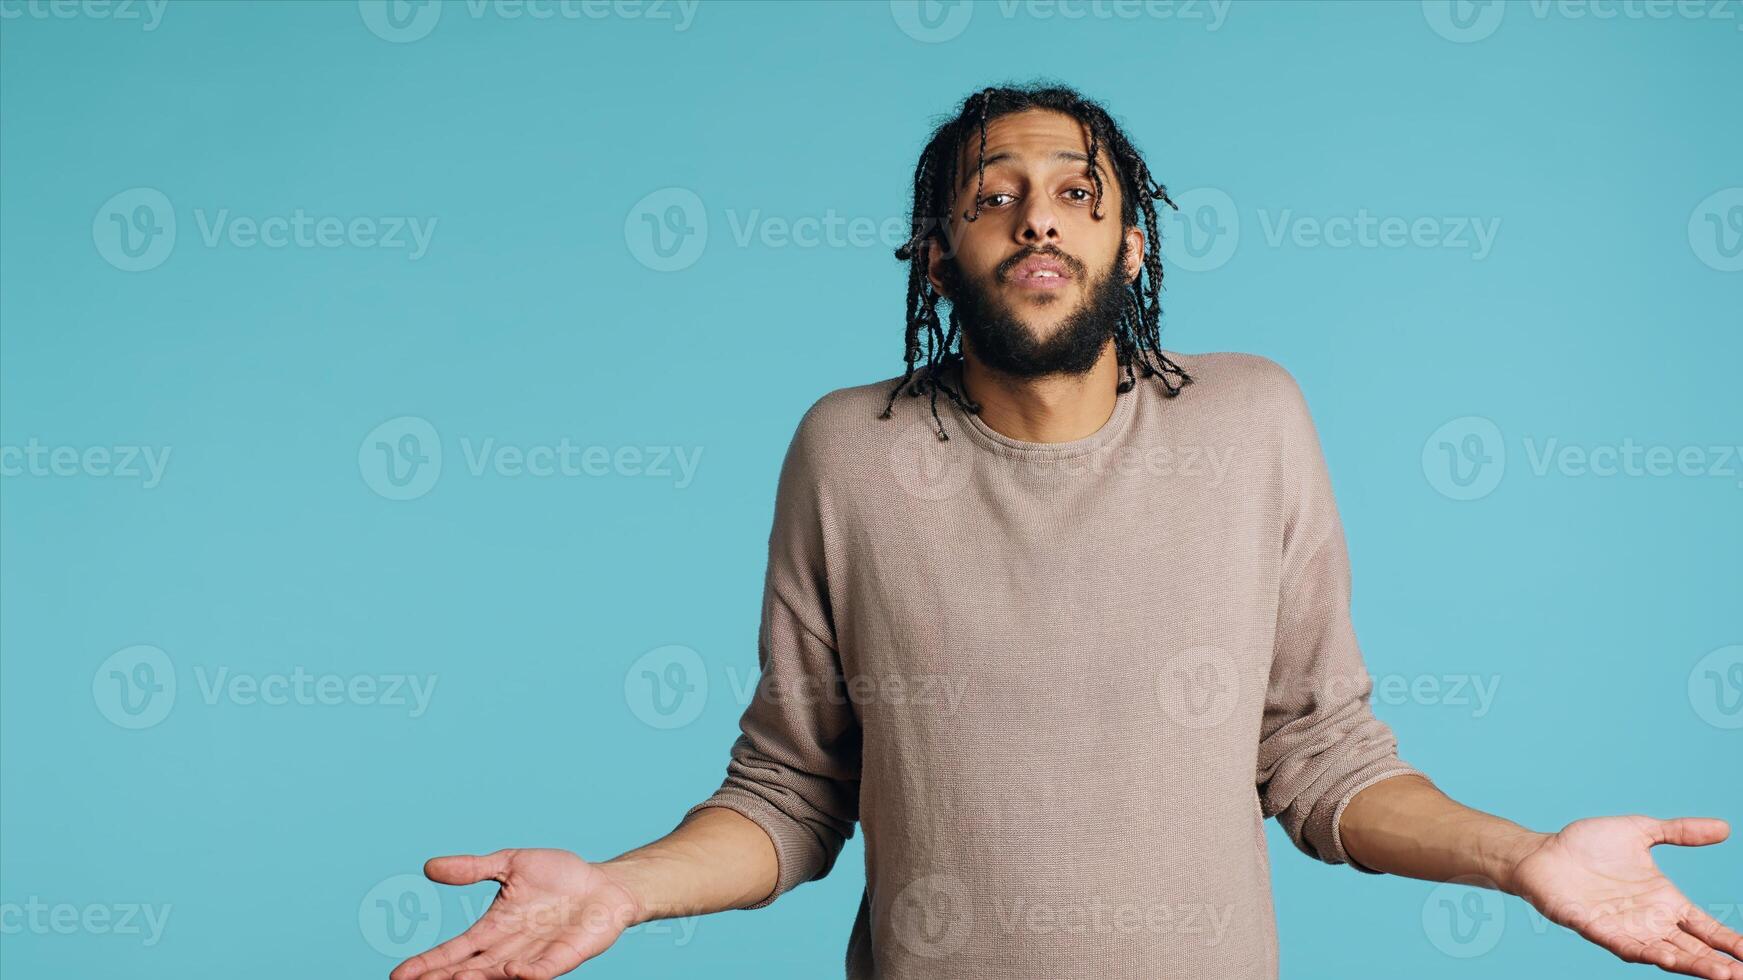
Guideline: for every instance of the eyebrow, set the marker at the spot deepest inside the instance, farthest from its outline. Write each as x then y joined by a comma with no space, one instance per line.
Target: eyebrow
1065,155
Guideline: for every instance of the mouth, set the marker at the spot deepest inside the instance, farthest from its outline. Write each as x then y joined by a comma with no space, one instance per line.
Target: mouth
1040,272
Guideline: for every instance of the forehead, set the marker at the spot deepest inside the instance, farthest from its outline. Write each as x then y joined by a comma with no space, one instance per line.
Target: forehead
1033,139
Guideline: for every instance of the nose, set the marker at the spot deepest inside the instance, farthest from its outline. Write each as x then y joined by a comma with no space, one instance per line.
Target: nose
1039,224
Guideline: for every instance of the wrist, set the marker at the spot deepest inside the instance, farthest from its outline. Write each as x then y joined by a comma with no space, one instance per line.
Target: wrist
632,877
1502,855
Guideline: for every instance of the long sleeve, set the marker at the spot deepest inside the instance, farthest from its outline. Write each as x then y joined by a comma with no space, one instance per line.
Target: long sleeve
1320,742
795,767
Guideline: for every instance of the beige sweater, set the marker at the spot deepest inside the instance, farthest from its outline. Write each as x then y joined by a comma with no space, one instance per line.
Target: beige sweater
1059,684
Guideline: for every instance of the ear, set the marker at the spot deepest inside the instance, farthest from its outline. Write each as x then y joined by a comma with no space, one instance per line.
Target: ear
934,265
1134,253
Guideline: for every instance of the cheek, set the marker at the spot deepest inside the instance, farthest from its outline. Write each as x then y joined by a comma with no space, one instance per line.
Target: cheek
978,253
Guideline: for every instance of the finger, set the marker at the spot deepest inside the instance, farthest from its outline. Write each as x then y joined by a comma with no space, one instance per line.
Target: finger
1699,959
465,869
493,964
470,964
556,959
447,954
481,970
501,947
1661,954
1708,929
1691,831
1631,950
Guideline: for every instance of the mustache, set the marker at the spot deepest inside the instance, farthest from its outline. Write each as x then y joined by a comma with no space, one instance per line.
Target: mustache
1071,264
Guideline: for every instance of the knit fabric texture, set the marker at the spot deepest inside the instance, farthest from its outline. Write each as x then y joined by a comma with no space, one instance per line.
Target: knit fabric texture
1060,685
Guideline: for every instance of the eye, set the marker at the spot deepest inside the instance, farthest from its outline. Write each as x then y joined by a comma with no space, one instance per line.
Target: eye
1086,192
987,200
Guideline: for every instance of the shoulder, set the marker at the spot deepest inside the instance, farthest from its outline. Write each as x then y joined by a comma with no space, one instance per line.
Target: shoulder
844,426
1248,391
1236,375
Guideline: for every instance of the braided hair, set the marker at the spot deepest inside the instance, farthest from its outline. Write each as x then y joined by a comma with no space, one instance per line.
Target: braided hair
1137,336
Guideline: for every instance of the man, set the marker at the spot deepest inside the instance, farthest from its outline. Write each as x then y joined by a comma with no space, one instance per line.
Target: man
1061,641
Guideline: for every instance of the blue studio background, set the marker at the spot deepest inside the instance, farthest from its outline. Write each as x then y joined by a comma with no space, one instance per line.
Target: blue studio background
298,296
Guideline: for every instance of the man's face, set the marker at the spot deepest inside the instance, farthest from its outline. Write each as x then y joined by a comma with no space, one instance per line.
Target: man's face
1037,282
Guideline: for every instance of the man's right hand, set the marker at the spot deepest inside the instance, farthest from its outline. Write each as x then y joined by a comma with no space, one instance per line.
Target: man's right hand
553,912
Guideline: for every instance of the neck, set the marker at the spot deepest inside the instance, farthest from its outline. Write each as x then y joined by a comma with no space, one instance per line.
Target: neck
1051,408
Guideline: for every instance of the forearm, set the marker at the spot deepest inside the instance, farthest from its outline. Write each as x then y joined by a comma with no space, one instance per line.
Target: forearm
1406,826
716,860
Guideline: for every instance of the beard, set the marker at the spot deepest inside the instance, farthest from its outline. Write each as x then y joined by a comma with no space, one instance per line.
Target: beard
1003,342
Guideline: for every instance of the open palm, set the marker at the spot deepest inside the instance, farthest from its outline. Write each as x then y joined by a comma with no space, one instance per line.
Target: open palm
553,912
1598,878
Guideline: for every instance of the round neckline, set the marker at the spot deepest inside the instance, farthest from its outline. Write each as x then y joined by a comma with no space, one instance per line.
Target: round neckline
1003,445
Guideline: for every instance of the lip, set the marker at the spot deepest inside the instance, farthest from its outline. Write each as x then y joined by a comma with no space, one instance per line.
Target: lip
1024,275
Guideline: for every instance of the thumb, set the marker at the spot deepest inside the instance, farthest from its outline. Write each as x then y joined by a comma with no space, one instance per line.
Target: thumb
465,869
1691,831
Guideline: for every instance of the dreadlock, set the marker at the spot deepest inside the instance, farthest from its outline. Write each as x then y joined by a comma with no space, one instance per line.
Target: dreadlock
1137,336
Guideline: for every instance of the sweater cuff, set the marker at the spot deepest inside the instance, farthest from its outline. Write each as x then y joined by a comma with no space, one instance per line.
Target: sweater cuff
798,855
1338,854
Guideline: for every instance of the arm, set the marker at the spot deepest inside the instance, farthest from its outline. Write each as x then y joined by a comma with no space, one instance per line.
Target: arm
794,769
788,803
1320,744
1595,876
714,861
555,910
1408,827
1329,772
